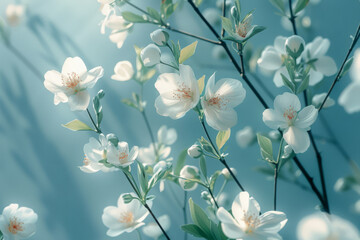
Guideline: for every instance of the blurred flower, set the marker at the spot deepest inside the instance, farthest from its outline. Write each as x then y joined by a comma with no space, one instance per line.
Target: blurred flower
166,136
245,137
274,135
95,151
319,98
245,222
107,10
165,58
287,151
72,83
179,93
14,14
123,71
119,156
195,151
219,101
126,217
321,65
17,223
152,230
159,37
350,97
295,124
225,172
320,226
120,29
188,172
150,55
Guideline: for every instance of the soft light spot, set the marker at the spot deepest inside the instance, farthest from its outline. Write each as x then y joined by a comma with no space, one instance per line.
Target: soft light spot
15,226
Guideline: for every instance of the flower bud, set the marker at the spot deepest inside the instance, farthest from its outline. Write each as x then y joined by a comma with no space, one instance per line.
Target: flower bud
150,55
287,151
319,98
274,135
205,195
294,46
188,172
225,172
234,13
123,71
159,37
160,166
195,151
245,137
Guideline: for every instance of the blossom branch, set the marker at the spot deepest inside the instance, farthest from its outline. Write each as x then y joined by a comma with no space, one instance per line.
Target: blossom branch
223,14
184,214
221,158
227,50
338,75
157,222
213,198
93,122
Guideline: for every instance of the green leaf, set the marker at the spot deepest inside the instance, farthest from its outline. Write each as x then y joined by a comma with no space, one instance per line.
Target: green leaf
287,83
187,52
201,84
129,103
227,25
143,178
279,4
256,30
304,85
238,6
265,147
154,14
134,18
300,5
213,179
199,217
180,163
222,137
346,67
203,166
77,125
194,230
208,147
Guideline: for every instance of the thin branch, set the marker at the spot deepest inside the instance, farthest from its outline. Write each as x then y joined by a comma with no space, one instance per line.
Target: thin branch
93,122
213,198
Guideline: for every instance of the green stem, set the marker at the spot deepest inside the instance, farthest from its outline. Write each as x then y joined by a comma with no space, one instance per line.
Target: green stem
292,18
185,214
93,122
157,222
169,65
276,171
213,198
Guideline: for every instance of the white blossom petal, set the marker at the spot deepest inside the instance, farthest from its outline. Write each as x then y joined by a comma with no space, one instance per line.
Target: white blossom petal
350,98
297,138
306,117
326,65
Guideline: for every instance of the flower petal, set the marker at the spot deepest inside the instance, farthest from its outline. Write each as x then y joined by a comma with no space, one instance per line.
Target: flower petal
306,117
53,81
326,65
350,98
270,60
75,65
118,37
315,77
123,71
228,224
91,77
297,138
274,119
277,77
284,101
217,118
230,91
80,101
279,44
272,221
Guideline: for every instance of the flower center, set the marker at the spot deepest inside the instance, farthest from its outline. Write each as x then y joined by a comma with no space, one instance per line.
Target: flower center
86,161
15,226
183,92
290,114
123,157
251,223
217,101
127,218
71,80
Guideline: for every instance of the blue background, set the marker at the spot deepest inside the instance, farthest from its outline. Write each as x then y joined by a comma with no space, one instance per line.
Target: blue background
40,159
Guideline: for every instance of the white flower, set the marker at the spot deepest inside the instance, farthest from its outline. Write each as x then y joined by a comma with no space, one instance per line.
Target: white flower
188,172
287,116
107,10
272,59
166,136
120,155
179,93
195,151
124,217
287,151
17,223
152,230
150,55
319,98
225,172
244,28
246,223
159,37
219,101
123,71
72,83
293,44
119,28
320,226
350,97
94,152
14,14
322,65
245,137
